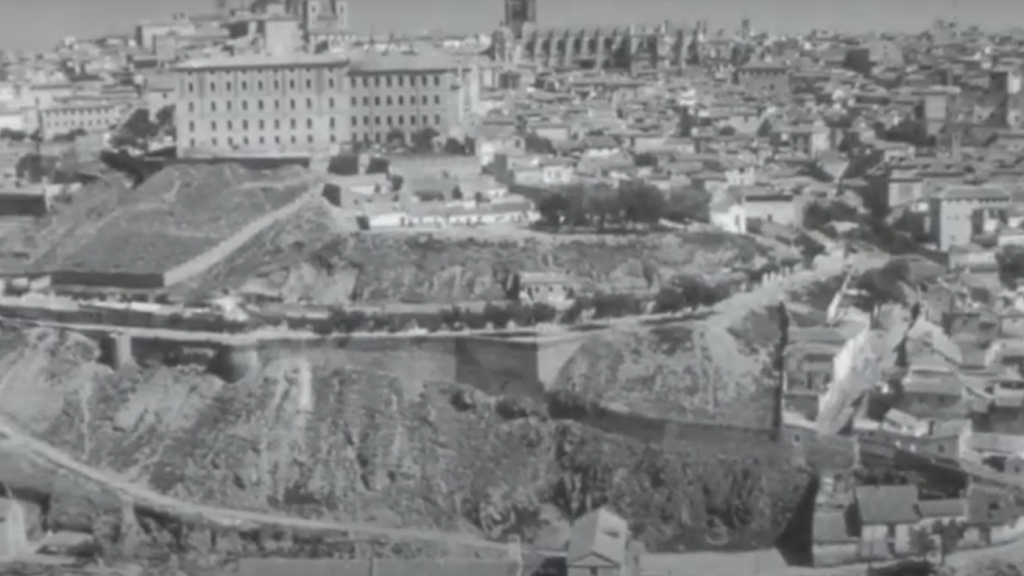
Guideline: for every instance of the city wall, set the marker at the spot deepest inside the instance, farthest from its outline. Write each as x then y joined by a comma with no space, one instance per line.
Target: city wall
522,366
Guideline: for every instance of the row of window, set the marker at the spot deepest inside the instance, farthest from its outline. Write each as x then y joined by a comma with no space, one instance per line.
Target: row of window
79,111
292,104
293,123
387,80
293,139
88,123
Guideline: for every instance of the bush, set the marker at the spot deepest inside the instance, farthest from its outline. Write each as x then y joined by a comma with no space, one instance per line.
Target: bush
617,305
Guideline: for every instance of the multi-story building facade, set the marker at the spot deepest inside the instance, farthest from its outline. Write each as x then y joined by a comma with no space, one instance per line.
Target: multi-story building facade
316,103
91,114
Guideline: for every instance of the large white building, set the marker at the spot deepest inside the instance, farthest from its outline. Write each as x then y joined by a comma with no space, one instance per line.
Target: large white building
313,103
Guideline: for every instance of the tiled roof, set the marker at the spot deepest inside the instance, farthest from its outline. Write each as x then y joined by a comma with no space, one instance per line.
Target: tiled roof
599,532
887,504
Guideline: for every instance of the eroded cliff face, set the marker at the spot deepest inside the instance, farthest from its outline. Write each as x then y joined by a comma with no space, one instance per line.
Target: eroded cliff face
309,438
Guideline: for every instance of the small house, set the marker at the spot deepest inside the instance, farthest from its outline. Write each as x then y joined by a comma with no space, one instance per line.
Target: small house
885,517
550,287
597,545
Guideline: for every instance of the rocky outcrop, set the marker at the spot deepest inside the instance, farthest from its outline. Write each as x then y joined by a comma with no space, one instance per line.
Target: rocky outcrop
306,438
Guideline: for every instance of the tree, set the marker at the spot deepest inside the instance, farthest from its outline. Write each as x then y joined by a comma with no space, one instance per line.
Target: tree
456,192
454,147
921,542
395,137
646,159
642,203
535,144
688,205
552,209
423,139
950,533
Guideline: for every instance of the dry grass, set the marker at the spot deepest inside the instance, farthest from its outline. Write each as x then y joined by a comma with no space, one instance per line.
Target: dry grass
175,215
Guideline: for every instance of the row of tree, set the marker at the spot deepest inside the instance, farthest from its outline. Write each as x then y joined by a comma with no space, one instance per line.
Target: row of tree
682,296
634,203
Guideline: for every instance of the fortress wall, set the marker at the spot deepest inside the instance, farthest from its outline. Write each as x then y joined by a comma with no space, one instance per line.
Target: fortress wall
499,366
553,354
409,359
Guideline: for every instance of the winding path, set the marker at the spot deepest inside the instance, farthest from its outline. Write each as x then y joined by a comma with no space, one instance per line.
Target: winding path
16,439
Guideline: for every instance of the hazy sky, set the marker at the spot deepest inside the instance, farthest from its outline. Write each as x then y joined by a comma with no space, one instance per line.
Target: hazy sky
37,24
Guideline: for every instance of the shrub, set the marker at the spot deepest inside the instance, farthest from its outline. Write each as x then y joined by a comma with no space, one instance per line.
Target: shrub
617,305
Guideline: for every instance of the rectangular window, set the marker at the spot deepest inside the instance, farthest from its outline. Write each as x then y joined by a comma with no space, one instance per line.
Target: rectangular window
213,125
191,106
332,122
213,141
213,86
213,106
401,100
245,104
293,103
293,123
401,119
330,82
245,124
355,120
330,102
229,126
261,125
309,84
309,103
309,123
437,80
376,81
354,102
437,119
227,87
309,139
400,81
388,120
191,126
437,99
259,105
277,124
245,85
228,105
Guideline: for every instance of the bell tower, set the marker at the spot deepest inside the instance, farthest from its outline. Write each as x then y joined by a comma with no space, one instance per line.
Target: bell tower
518,13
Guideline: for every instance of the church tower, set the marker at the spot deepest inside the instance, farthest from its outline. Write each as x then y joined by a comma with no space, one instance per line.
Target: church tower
518,13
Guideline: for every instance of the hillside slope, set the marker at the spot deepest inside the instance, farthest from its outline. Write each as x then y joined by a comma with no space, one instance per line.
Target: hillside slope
373,449
316,257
